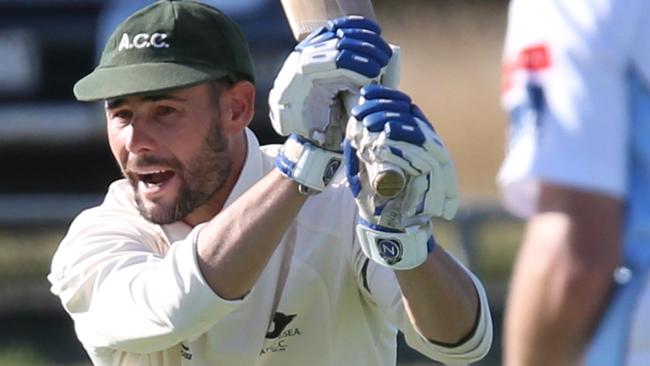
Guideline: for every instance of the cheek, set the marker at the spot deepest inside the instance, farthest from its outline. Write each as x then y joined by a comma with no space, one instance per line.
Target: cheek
187,142
118,147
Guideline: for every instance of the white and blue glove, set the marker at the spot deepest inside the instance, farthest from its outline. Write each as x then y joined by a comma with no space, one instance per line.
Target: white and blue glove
386,127
307,164
342,56
305,100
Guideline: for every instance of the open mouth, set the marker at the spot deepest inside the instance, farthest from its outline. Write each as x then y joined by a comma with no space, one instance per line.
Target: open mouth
153,181
156,178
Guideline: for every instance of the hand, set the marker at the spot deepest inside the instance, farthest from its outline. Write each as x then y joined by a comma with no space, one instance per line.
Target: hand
386,127
340,57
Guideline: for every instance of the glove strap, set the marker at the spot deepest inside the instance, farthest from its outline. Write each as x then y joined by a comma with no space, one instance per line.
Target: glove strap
307,164
396,249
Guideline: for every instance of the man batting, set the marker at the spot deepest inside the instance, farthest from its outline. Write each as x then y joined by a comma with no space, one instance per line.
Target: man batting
215,251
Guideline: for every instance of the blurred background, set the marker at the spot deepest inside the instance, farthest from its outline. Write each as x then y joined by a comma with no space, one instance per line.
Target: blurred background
57,161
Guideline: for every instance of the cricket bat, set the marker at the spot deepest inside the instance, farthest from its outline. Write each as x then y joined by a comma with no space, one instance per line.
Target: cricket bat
305,16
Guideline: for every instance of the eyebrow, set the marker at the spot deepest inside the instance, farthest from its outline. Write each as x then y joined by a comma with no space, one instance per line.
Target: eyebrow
115,103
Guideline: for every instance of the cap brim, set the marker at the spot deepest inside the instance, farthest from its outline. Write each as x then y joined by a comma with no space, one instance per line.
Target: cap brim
115,82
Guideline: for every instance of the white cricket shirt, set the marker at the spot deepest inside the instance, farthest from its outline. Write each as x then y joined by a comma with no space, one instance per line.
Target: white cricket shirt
137,296
567,71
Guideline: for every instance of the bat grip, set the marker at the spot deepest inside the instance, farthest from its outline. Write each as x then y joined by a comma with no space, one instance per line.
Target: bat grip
386,179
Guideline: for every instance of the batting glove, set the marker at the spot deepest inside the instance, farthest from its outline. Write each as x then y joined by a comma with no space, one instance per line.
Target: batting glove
340,57
307,164
386,128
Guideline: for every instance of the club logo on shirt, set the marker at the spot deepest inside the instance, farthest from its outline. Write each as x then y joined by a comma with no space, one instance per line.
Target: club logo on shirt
531,59
279,322
390,250
278,335
185,352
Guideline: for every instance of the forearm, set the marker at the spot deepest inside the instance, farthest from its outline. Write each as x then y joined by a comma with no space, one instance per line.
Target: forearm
558,291
440,298
235,246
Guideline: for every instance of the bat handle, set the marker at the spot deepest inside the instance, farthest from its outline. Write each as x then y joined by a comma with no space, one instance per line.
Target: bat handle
386,179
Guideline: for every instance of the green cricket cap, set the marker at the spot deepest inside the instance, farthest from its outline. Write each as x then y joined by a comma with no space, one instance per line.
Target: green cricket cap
168,45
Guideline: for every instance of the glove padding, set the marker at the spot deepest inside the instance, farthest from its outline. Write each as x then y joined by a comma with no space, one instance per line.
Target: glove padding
342,56
396,249
307,164
386,127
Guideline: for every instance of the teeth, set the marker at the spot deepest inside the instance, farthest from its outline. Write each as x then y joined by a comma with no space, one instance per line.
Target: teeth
148,185
152,172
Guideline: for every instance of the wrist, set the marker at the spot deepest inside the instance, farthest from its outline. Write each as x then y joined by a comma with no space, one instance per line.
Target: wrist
307,164
396,249
288,186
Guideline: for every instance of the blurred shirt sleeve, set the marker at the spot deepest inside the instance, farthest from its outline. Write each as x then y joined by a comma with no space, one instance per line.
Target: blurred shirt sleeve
564,88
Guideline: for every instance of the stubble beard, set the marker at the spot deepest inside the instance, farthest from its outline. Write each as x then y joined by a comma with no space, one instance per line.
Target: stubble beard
200,178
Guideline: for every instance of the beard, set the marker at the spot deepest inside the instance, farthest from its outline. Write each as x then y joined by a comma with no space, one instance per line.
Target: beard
200,178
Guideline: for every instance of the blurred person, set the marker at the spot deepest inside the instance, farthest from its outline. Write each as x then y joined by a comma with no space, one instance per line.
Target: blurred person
216,251
577,88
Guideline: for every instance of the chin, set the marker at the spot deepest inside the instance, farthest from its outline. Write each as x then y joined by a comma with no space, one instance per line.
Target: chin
158,212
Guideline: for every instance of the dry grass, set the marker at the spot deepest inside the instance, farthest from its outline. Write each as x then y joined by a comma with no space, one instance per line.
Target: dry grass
27,254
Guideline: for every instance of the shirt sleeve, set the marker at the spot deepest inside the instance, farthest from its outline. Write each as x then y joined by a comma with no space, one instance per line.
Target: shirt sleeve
124,292
565,67
379,285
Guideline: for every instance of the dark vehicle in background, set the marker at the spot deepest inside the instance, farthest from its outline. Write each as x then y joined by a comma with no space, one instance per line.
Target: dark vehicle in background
49,142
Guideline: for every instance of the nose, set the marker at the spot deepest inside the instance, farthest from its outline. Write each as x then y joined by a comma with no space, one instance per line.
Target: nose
140,139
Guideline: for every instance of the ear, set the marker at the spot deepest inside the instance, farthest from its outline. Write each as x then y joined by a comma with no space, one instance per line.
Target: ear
238,106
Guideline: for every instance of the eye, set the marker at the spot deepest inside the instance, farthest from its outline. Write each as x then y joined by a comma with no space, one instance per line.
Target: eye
124,114
121,116
165,110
